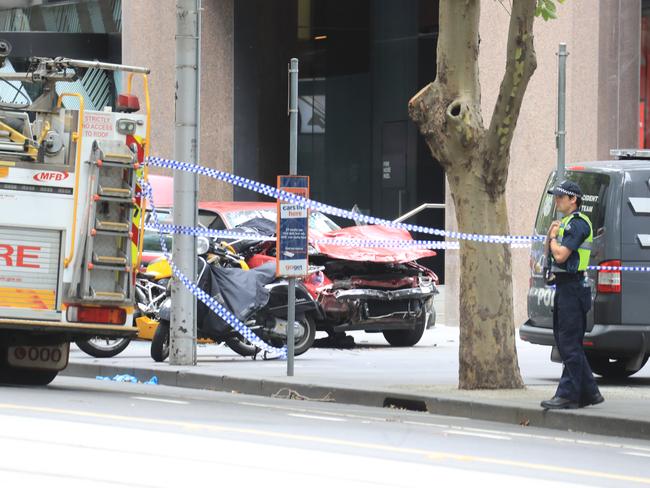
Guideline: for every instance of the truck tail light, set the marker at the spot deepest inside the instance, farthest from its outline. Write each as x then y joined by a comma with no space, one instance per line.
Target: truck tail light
609,281
96,315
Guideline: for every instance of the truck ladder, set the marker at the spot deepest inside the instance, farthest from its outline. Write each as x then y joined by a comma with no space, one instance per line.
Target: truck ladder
106,272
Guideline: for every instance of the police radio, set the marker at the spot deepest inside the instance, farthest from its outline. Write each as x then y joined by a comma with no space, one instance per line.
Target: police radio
549,276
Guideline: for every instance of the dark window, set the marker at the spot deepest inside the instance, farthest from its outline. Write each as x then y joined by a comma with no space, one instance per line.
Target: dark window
87,16
151,242
210,220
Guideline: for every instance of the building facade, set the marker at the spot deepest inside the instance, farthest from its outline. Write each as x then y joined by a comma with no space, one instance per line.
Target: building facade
360,63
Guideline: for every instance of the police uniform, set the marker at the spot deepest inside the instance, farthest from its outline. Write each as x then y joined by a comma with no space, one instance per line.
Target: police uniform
577,387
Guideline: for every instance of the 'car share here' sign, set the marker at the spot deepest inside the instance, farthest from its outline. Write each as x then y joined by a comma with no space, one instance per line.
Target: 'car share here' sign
292,255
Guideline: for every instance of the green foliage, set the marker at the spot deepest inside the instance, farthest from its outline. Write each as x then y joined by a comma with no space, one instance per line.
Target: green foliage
546,9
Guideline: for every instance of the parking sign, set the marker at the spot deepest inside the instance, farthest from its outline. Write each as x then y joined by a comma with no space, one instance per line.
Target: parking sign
292,248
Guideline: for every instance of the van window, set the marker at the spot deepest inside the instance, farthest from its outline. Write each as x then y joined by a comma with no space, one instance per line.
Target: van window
594,195
546,211
594,188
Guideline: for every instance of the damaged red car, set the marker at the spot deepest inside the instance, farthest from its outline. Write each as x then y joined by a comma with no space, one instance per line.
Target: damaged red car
357,288
371,289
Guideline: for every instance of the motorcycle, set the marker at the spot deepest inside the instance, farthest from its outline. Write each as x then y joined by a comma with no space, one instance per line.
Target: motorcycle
255,296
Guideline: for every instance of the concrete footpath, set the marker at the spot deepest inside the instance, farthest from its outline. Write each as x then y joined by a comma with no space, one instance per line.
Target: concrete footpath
421,378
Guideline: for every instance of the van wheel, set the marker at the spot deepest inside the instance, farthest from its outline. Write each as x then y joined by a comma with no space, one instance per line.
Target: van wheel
611,368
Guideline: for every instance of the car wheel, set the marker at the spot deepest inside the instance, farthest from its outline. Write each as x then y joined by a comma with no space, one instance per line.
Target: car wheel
407,338
612,368
431,321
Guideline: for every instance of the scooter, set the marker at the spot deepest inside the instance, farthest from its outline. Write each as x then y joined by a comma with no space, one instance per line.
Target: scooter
255,296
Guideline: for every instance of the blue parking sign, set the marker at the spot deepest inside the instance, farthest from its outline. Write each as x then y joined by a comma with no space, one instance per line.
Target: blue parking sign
293,229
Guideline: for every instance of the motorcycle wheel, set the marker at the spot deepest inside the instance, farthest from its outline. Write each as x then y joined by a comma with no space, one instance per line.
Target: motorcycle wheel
307,340
303,344
241,346
101,347
160,342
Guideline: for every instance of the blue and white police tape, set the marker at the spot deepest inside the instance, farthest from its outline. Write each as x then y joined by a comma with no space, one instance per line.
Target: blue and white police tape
201,231
399,243
643,269
370,243
210,302
329,209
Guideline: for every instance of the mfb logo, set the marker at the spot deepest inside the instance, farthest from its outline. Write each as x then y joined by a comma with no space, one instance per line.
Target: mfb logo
51,176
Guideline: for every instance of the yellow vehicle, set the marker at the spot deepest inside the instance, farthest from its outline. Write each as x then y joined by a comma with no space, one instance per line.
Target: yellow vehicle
70,215
150,291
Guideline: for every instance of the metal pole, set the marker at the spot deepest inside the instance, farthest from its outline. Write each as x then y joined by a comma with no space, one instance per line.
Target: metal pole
560,134
81,63
293,169
182,349
197,120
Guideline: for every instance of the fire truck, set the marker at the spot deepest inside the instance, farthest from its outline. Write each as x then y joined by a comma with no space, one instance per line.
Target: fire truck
71,214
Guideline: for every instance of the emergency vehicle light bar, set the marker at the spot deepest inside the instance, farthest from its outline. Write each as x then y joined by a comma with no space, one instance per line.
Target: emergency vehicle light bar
630,153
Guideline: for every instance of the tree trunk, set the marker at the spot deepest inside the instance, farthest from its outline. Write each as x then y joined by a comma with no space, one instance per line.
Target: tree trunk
487,356
448,113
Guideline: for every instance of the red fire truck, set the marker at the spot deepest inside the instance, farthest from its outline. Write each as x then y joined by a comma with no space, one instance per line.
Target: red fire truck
70,215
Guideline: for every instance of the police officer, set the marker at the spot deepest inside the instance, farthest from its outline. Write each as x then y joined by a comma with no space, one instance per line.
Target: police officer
568,245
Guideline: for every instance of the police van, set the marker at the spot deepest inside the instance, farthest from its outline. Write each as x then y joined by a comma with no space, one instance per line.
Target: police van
616,197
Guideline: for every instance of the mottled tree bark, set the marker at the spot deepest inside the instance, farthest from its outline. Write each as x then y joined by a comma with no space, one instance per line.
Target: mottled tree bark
476,160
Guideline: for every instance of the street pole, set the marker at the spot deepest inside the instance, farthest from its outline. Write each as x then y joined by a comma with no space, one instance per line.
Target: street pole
182,346
560,134
293,170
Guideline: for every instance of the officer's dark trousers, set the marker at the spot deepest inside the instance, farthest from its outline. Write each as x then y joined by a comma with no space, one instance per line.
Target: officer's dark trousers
572,302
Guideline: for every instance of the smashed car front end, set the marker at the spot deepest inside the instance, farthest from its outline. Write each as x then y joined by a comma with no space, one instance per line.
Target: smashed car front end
377,296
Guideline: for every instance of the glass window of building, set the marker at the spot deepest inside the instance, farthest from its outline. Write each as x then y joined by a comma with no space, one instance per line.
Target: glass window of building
360,63
88,29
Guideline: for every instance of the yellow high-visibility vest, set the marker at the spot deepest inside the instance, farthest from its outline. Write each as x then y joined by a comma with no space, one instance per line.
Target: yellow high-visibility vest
584,251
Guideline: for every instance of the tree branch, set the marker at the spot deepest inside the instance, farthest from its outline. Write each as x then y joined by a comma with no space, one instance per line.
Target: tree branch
458,45
448,111
520,66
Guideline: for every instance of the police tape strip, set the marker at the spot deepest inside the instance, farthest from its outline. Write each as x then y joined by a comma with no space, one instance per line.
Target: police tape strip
329,209
370,243
210,302
400,243
644,269
517,241
201,231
